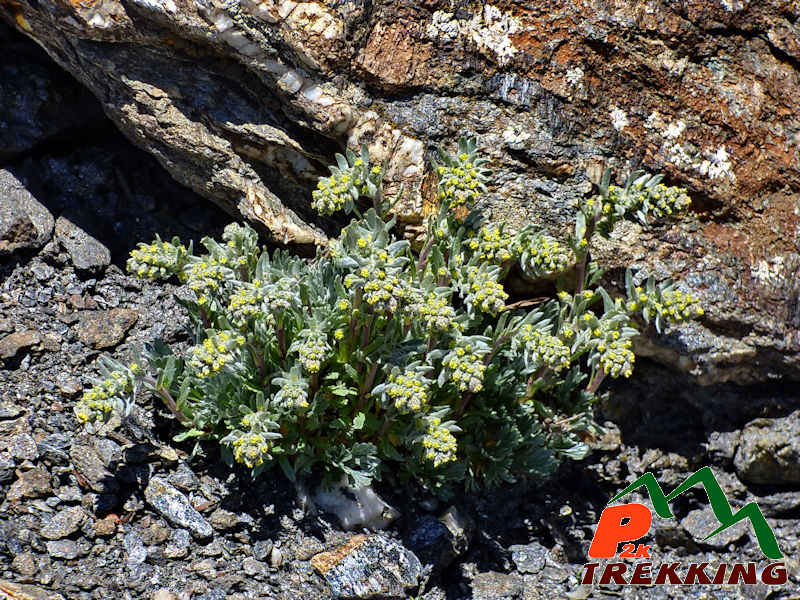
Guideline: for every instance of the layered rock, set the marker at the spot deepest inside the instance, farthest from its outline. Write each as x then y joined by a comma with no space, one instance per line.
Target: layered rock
246,101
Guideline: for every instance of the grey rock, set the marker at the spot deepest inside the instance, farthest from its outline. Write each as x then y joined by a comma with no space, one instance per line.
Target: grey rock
178,546
86,253
63,523
105,329
9,411
55,448
176,508
779,503
262,549
769,451
369,567
530,558
254,567
7,465
91,467
109,451
497,586
23,447
135,549
24,222
66,549
14,343
701,522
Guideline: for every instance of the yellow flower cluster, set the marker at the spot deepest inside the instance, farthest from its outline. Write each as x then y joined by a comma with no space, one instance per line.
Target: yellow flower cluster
616,357
465,366
382,288
658,200
439,445
250,449
312,348
436,313
245,302
673,305
205,276
460,184
543,255
493,245
216,351
484,292
333,192
293,394
95,404
545,349
408,391
156,260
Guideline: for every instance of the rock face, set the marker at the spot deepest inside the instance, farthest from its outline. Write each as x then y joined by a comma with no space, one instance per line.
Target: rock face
769,451
245,102
24,222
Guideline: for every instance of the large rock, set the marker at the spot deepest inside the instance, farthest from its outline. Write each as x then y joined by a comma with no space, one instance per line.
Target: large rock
24,222
769,451
176,508
86,252
245,102
369,567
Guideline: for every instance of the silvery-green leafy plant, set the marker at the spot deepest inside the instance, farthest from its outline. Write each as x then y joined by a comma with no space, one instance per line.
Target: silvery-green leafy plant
379,358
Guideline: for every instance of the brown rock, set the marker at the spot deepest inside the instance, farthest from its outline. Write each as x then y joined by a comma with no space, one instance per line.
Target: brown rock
24,564
105,527
105,328
18,591
31,484
14,343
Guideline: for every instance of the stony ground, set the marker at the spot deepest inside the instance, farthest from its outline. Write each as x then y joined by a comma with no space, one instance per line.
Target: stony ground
131,514
134,515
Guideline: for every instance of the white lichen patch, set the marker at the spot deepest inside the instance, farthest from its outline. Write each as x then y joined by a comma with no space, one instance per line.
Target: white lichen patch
714,163
619,119
489,29
305,18
574,77
160,6
734,5
777,276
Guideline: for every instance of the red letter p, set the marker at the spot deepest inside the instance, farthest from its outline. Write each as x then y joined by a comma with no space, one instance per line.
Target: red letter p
611,531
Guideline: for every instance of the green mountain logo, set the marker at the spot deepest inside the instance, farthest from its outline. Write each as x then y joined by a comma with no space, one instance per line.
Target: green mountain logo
719,504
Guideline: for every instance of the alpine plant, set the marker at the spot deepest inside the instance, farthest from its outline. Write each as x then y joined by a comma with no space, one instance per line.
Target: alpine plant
377,358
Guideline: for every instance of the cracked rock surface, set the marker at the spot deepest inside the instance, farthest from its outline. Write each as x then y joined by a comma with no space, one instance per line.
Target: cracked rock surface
245,102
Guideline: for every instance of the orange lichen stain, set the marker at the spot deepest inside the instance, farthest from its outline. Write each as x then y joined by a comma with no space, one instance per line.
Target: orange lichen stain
325,561
22,22
727,237
82,3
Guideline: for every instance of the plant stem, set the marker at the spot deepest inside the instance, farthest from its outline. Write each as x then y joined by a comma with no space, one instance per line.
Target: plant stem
168,401
366,386
596,381
580,269
259,360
